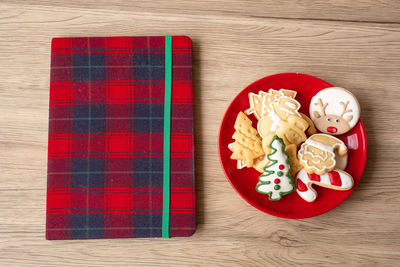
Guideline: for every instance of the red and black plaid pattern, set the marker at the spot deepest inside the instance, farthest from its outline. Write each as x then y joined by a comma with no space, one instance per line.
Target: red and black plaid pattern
105,158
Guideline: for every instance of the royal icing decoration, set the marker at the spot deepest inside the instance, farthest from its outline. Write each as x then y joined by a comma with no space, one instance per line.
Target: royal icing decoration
279,147
256,104
247,145
337,180
341,161
275,120
283,97
334,110
276,180
286,106
277,112
317,153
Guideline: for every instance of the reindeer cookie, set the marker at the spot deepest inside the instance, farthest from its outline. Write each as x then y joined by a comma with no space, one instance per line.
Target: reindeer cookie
334,110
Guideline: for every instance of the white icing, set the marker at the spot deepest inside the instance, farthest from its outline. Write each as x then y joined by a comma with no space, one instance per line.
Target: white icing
277,92
267,109
264,104
287,90
347,181
287,110
249,111
258,128
333,96
291,105
288,102
276,119
252,110
285,182
310,195
278,155
319,145
325,147
345,178
341,161
267,106
241,164
325,179
303,152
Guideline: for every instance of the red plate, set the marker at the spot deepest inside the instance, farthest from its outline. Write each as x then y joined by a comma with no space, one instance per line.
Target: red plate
244,181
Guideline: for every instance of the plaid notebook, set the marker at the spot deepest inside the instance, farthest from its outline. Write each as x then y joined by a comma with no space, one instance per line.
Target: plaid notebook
121,151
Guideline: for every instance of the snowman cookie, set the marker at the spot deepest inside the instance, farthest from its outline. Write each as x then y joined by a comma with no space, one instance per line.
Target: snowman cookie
334,110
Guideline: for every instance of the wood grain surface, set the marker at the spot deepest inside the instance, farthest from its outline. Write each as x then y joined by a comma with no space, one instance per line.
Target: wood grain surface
352,44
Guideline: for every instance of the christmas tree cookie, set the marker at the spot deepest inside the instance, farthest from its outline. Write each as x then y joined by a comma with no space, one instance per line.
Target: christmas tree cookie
247,146
276,180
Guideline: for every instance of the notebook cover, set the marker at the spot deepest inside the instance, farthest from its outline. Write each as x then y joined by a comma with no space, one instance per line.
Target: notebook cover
105,153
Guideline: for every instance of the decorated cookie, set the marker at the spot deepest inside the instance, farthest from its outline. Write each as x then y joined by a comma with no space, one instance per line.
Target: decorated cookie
293,130
247,145
317,153
260,163
334,110
276,180
273,96
311,127
289,93
269,98
256,104
291,150
285,107
282,129
336,179
268,124
275,93
295,165
282,92
279,113
240,163
341,161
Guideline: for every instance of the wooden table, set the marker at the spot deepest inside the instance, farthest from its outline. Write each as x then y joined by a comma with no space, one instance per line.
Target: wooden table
352,44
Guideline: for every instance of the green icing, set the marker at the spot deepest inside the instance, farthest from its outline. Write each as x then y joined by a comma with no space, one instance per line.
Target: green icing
268,172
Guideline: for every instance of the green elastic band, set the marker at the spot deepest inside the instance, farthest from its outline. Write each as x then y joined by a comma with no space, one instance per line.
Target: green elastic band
167,136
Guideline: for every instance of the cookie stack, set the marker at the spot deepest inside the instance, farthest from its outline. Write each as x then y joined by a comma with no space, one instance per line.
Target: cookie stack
286,143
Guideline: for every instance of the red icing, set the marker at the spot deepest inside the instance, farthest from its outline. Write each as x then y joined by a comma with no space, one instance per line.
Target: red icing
314,177
281,167
335,179
277,181
301,186
331,129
